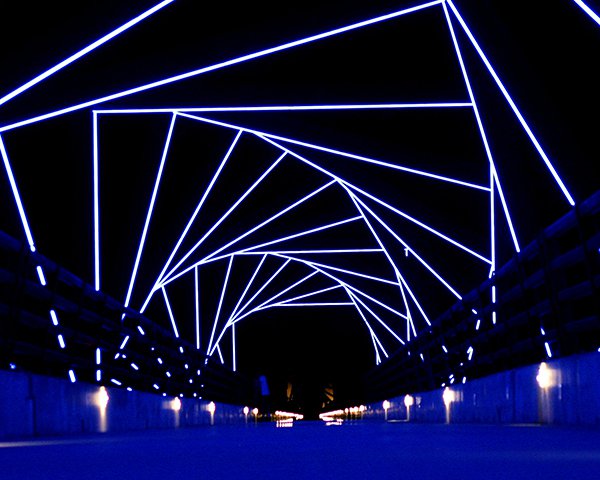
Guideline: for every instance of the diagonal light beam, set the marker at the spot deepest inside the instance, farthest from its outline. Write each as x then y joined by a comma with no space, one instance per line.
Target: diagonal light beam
201,203
217,66
288,108
172,276
266,136
81,53
482,133
212,335
381,202
16,195
150,210
171,316
593,15
516,111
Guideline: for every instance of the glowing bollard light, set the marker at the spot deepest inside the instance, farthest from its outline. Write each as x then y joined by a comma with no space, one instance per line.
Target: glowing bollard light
545,376
102,399
448,396
546,379
255,413
409,401
211,409
175,405
246,412
386,406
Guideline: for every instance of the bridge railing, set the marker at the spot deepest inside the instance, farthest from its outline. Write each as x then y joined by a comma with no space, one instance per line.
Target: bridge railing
547,305
63,324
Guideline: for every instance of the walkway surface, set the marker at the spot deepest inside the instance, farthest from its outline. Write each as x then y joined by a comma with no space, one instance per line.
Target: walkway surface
314,450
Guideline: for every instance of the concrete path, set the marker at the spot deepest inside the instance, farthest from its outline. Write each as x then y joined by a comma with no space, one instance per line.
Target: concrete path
313,450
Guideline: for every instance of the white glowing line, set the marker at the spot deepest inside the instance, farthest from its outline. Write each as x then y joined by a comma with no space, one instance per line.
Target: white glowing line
405,245
356,201
233,347
373,336
286,108
408,317
380,163
249,232
310,294
83,52
385,325
15,191
164,292
199,206
232,319
322,304
381,347
408,314
125,340
220,355
548,351
492,225
349,272
381,202
223,217
377,359
505,208
417,222
265,135
296,235
72,376
263,286
352,272
294,285
589,11
41,276
227,63
310,252
188,226
61,341
327,274
212,335
344,284
482,132
150,210
197,305
54,318
346,287
247,287
414,299
98,356
96,204
512,105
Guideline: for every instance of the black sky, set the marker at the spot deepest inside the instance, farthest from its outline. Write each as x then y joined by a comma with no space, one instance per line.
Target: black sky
545,52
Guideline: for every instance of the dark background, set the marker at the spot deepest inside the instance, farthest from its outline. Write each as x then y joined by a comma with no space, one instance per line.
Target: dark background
546,53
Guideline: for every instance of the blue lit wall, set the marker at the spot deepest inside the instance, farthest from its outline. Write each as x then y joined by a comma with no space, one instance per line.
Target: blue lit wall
37,405
572,396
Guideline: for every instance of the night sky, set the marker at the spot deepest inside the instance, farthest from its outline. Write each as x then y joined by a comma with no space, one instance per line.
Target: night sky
545,52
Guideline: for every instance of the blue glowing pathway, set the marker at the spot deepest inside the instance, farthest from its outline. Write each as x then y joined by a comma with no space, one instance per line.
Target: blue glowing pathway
313,450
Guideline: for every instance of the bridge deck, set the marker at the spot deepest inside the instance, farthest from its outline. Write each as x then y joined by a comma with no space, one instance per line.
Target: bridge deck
313,450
